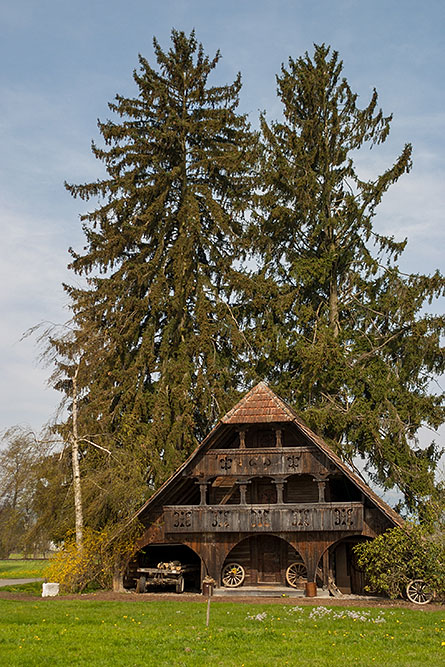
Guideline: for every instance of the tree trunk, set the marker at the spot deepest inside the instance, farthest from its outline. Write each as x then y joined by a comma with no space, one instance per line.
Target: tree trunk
78,511
333,305
118,580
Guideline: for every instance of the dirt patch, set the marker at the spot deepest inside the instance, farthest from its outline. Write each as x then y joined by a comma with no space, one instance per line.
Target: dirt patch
111,596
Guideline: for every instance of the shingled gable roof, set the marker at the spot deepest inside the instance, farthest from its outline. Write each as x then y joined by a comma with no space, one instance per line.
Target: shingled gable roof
261,405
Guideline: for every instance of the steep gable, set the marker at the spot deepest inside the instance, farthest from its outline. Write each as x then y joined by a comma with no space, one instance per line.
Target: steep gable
262,406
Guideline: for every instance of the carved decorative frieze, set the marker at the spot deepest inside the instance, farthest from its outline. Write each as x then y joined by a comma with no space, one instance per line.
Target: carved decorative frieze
272,518
264,462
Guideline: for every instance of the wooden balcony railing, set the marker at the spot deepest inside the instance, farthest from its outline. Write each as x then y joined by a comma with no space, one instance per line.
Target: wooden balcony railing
264,518
270,461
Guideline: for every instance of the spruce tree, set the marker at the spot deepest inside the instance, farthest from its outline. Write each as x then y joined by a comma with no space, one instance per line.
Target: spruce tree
340,328
155,336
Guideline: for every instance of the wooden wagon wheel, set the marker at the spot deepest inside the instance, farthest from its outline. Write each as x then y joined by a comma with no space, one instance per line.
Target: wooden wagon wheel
180,584
140,585
233,575
419,592
296,573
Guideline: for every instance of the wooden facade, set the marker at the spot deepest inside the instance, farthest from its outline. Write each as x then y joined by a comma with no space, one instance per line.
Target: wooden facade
263,494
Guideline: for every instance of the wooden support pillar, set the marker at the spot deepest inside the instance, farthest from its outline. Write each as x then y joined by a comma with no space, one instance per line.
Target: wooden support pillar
242,439
311,558
279,484
311,553
203,492
243,491
321,482
243,494
311,565
326,566
212,558
278,437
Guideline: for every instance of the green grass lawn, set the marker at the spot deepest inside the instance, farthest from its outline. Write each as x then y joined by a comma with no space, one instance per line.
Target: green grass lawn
33,588
89,632
22,569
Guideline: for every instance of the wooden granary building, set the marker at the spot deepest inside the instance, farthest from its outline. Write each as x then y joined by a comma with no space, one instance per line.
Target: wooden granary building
262,502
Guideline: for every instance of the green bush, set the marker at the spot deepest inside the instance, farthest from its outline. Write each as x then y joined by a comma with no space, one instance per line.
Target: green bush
393,559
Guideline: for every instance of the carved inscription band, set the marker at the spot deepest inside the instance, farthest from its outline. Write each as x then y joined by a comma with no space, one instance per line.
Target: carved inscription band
292,462
272,518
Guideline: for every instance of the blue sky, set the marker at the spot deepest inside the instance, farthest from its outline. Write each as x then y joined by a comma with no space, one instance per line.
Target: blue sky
61,62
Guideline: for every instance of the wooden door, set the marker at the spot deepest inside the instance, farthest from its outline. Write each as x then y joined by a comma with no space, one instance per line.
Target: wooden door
270,559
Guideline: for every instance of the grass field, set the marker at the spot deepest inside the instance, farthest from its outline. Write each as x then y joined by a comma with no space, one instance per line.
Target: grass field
22,569
88,632
33,588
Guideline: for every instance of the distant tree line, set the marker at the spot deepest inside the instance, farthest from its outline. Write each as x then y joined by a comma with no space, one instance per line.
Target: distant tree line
35,493
216,256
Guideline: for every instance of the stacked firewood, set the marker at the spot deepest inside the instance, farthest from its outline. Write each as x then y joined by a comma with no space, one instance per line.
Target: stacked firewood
172,565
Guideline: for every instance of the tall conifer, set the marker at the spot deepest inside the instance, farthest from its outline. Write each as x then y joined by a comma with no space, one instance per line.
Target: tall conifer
155,332
341,330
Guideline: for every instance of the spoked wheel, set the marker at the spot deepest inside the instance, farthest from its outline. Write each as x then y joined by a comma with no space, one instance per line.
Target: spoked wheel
419,592
296,574
233,575
180,584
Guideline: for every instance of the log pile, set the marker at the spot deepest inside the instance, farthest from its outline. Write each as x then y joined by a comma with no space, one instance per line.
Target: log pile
171,566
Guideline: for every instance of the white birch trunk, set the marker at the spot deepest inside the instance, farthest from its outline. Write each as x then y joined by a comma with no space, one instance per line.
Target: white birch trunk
78,511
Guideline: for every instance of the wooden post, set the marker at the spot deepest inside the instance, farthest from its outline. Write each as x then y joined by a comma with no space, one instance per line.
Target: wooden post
242,439
203,492
326,566
321,481
280,487
208,612
243,494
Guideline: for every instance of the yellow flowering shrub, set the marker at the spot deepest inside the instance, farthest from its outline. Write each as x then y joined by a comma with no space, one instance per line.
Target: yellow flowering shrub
103,553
